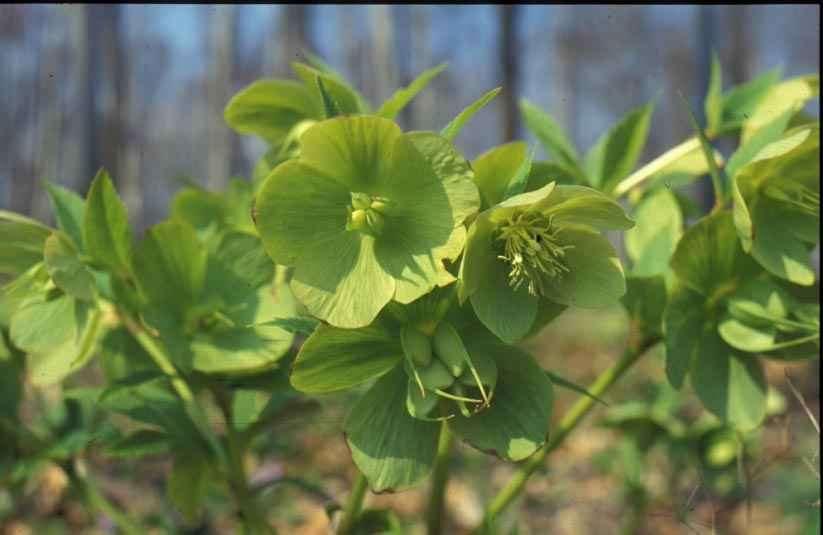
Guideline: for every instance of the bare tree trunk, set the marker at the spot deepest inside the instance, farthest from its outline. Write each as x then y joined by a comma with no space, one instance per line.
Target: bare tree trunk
509,60
294,32
740,46
567,78
422,54
705,31
218,92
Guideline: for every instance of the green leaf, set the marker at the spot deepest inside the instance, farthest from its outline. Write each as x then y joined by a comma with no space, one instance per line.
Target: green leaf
69,209
22,240
615,154
270,108
198,207
581,205
651,242
170,264
344,96
65,268
188,483
139,444
551,136
645,301
59,335
766,135
246,407
684,324
336,359
739,102
106,230
517,422
394,104
390,447
304,325
238,350
451,130
718,178
541,173
330,107
729,383
790,95
714,97
708,258
374,521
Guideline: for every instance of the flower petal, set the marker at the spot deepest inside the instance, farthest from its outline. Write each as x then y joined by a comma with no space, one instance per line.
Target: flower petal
586,206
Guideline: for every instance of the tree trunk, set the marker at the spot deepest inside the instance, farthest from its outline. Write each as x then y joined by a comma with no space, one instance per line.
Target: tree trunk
218,91
509,60
382,31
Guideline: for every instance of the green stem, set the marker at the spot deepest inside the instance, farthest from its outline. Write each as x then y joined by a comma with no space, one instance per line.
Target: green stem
570,421
193,410
440,477
354,505
96,500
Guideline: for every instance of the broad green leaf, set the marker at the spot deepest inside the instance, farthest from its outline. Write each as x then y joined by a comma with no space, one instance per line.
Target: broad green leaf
764,136
615,154
542,173
709,259
581,205
59,335
11,379
188,482
451,130
330,106
246,407
495,169
344,96
739,102
790,95
106,230
65,268
304,325
198,207
336,359
645,301
270,108
391,107
170,264
238,350
684,325
382,521
22,240
730,384
69,210
517,422
651,242
390,447
551,136
714,97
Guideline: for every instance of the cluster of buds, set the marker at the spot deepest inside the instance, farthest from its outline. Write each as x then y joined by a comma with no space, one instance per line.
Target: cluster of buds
367,213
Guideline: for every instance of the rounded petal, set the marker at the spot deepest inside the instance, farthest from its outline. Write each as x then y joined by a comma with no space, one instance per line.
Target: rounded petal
341,282
297,206
585,206
477,258
595,276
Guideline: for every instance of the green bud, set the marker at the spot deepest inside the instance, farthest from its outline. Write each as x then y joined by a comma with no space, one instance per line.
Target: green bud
360,201
379,205
435,376
449,348
416,346
357,220
375,221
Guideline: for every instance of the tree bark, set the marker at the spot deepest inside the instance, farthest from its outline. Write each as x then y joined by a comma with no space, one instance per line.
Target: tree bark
509,60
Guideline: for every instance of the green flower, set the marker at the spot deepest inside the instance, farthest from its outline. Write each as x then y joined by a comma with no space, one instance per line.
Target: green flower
366,215
539,248
777,204
433,362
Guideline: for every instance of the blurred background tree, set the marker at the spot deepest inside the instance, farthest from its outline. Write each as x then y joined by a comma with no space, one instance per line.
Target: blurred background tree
140,89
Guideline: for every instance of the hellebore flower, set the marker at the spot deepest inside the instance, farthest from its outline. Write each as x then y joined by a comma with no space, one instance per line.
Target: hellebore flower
433,362
366,215
539,248
777,204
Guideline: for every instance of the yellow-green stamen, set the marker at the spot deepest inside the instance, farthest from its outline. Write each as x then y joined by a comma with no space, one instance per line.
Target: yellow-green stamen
532,249
367,213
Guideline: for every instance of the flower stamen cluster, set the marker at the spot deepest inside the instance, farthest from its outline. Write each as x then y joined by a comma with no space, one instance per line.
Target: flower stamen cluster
531,248
367,213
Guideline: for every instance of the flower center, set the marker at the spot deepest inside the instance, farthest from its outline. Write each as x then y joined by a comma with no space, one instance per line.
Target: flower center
367,213
798,195
532,250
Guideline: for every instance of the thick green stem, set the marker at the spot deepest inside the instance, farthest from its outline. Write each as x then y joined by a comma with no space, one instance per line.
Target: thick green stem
440,477
354,505
193,410
569,422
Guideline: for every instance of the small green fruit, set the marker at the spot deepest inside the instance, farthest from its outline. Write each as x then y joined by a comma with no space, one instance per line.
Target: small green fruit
449,348
417,346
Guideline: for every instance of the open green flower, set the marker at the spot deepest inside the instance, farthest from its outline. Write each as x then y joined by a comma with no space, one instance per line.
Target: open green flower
538,248
433,362
365,215
777,204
